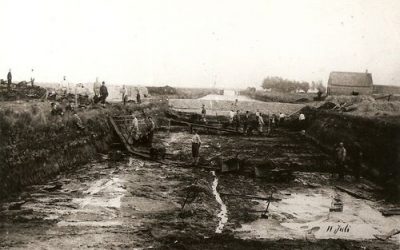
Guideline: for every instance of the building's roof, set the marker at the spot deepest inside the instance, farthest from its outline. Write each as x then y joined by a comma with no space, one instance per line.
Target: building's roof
350,79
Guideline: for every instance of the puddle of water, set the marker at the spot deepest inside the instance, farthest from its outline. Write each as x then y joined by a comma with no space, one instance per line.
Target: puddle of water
223,215
305,215
104,185
302,207
102,202
103,193
90,202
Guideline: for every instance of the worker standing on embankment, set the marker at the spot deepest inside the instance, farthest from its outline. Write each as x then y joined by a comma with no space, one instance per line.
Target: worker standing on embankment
138,96
9,80
32,78
237,120
124,94
196,143
150,130
64,85
96,87
246,120
103,94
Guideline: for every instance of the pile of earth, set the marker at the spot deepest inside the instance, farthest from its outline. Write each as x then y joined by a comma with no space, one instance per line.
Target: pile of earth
361,105
21,91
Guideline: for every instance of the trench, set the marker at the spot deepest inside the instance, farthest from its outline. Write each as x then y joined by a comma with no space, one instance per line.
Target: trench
121,201
223,214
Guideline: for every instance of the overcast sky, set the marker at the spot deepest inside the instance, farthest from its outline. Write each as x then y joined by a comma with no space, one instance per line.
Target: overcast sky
194,43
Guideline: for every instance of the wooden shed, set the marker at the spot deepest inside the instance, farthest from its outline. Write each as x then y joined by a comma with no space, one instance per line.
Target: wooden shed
348,83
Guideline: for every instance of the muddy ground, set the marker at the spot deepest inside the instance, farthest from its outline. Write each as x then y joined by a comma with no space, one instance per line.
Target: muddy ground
136,204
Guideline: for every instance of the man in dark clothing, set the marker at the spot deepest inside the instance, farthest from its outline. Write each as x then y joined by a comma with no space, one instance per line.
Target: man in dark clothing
341,154
103,93
273,121
203,113
150,130
196,143
9,80
32,78
55,110
70,106
246,120
138,97
77,121
236,120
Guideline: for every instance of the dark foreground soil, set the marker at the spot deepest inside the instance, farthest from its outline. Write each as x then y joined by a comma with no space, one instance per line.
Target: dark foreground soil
118,201
133,203
229,242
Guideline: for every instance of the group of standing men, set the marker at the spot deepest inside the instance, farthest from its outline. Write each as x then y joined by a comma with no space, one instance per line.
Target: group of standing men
9,79
100,92
236,119
134,131
124,95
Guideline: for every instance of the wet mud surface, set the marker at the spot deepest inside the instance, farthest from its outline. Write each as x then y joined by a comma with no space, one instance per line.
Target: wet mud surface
137,204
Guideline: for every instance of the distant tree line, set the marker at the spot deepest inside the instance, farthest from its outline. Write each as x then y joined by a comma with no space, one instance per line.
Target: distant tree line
280,84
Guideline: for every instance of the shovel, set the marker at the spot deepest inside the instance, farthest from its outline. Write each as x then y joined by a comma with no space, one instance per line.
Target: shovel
264,215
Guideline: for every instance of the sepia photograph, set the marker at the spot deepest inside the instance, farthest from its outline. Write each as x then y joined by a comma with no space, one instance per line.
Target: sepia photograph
200,124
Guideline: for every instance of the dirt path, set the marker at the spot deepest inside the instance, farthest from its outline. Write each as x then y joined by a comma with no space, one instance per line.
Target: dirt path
137,204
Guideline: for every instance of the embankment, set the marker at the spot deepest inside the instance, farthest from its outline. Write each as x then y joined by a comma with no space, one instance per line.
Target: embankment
377,137
35,145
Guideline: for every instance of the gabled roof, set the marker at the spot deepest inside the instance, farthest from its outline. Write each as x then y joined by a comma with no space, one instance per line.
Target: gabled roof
351,79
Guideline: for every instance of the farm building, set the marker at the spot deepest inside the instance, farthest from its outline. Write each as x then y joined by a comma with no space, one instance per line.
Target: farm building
348,83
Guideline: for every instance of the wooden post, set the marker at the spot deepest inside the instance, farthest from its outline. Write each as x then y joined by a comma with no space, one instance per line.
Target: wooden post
76,98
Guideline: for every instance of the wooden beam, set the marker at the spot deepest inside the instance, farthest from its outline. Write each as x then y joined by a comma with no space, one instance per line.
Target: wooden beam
124,141
244,196
205,126
359,196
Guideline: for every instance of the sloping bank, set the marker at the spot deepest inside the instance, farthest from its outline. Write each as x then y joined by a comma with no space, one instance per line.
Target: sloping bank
35,145
377,137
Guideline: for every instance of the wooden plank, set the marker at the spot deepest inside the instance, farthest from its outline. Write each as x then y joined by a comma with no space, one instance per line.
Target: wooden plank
244,196
390,212
205,126
359,196
124,141
130,149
